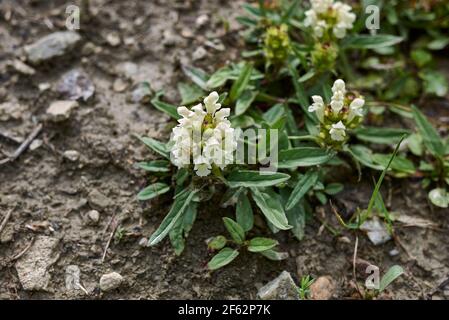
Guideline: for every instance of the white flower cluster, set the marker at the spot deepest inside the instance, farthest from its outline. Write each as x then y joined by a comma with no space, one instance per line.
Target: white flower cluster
206,136
338,117
327,14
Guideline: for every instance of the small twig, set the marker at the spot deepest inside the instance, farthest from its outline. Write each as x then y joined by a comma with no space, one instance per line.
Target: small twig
82,288
9,138
113,223
24,145
21,253
354,259
5,220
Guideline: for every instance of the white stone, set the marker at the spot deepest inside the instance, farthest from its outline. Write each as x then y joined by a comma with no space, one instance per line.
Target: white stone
61,110
110,281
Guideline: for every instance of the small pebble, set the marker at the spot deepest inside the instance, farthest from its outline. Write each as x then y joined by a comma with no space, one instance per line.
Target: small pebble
202,20
110,281
113,39
199,53
94,216
37,143
71,155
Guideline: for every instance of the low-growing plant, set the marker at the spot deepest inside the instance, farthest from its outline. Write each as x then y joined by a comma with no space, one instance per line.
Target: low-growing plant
304,287
281,91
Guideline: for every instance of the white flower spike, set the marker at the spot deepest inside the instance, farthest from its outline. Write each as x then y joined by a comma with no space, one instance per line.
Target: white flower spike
214,146
343,113
342,18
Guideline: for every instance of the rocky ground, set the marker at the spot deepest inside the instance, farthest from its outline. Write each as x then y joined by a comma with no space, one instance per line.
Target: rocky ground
74,228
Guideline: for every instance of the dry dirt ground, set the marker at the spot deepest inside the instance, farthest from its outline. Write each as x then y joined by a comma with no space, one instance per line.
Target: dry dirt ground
49,192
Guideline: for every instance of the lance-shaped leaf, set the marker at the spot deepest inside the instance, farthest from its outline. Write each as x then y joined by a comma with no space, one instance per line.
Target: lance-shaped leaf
217,243
176,212
431,139
189,93
244,212
165,107
370,41
249,178
224,257
155,166
241,83
274,255
198,76
381,135
305,183
304,157
157,146
260,244
235,230
269,204
153,190
392,274
244,102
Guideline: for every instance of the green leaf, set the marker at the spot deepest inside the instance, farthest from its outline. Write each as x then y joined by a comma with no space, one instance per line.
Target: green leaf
249,178
380,135
305,183
430,136
244,212
260,244
290,12
392,274
189,93
434,82
177,238
334,188
439,197
176,212
296,216
235,230
224,257
370,41
189,218
217,243
197,75
421,57
156,146
364,155
301,95
252,10
274,255
304,157
322,198
153,190
379,182
219,78
438,44
155,166
244,102
241,83
269,204
399,163
167,108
